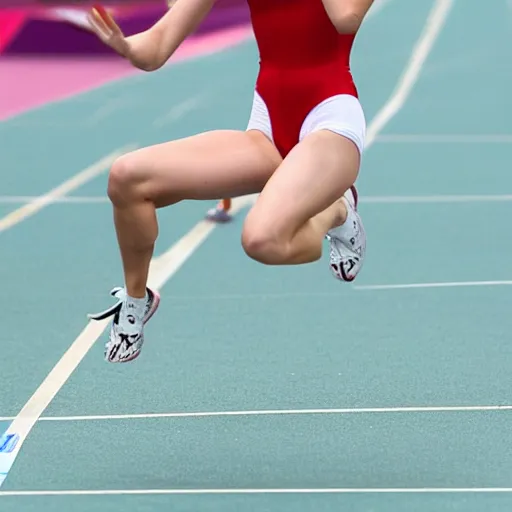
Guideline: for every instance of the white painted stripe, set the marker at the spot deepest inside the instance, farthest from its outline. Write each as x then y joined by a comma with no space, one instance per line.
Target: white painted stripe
160,273
76,181
136,76
178,111
448,138
436,199
162,269
455,284
281,412
340,490
381,200
433,27
56,200
107,108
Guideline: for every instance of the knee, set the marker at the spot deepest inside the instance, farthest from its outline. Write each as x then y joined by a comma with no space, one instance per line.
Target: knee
125,181
264,246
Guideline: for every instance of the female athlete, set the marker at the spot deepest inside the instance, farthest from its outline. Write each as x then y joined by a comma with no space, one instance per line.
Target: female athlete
301,151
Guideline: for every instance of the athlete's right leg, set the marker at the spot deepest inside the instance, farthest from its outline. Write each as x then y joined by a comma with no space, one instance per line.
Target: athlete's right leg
206,166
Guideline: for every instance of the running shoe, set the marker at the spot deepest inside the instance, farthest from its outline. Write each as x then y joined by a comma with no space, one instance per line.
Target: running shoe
127,329
347,242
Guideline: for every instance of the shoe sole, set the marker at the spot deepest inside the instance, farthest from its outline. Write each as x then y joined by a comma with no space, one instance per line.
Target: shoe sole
154,306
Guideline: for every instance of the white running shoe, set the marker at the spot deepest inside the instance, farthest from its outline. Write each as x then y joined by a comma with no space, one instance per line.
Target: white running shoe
348,242
127,329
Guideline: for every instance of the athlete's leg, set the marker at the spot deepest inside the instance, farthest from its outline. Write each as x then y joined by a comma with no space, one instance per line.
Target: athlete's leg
206,166
301,201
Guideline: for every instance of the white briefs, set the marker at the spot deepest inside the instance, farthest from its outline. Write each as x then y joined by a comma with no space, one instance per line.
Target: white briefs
341,114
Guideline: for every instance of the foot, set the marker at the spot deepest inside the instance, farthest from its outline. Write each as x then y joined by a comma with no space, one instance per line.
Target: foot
219,214
348,242
127,329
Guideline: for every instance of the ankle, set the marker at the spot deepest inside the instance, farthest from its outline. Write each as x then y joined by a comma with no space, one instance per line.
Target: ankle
136,293
340,213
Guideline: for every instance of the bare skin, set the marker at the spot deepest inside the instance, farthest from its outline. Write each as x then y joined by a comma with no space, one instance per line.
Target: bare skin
299,200
206,166
297,206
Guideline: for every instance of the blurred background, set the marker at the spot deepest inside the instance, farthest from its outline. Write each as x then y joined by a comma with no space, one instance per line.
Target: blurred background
48,43
56,27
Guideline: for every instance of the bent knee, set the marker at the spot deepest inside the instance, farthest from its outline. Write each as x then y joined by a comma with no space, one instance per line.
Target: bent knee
125,180
264,246
131,179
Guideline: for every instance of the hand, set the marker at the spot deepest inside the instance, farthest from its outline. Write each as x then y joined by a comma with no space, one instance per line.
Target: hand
105,27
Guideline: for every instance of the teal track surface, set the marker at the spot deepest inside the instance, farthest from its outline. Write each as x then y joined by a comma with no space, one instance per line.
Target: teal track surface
426,324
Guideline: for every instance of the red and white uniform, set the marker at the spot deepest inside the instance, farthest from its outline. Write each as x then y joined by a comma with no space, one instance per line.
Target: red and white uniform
304,83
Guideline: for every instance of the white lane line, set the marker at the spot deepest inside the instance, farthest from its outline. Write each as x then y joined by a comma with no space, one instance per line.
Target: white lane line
340,490
135,76
162,269
381,200
56,200
76,181
178,111
448,138
281,412
25,420
108,108
455,284
437,199
435,22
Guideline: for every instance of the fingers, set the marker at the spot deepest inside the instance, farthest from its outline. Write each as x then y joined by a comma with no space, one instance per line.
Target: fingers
103,24
107,18
99,27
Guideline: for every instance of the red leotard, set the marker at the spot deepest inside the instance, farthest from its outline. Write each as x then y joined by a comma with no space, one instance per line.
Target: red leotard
303,61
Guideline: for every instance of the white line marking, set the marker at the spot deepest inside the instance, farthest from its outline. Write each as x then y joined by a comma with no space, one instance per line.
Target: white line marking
279,412
160,273
503,198
433,26
134,77
448,138
362,490
459,284
76,181
162,269
57,200
77,124
490,198
178,111
108,108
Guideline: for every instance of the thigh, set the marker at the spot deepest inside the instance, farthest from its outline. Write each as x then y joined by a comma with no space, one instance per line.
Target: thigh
211,165
316,173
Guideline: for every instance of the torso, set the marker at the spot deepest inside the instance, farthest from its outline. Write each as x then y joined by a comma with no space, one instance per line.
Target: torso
297,33
303,59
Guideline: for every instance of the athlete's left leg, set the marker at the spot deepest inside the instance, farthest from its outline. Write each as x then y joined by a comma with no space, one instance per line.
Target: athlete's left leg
301,203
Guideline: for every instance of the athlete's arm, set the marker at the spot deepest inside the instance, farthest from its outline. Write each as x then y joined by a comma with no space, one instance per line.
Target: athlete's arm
347,15
150,50
157,44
